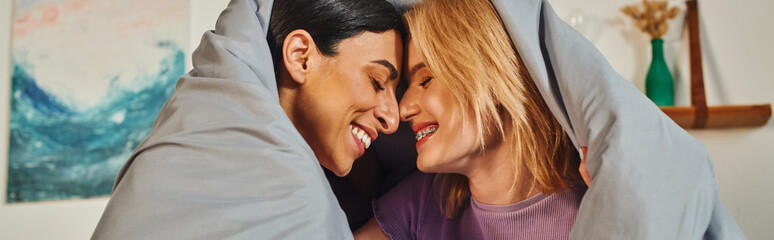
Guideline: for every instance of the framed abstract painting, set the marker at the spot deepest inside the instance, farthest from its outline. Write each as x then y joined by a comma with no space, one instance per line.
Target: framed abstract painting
88,79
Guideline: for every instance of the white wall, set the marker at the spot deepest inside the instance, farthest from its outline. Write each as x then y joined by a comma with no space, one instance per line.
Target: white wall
737,46
70,219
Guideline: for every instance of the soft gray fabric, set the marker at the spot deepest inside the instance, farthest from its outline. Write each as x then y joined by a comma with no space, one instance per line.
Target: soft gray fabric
223,161
651,179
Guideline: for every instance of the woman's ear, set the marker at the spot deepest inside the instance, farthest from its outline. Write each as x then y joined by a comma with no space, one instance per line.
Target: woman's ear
296,50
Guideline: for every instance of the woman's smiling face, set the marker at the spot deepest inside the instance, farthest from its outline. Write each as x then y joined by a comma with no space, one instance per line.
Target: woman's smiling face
348,99
446,140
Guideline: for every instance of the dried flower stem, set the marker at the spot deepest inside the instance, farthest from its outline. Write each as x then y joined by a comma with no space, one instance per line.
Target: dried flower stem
652,18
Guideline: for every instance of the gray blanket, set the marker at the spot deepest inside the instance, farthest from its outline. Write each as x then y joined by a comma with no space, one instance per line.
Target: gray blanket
223,161
651,179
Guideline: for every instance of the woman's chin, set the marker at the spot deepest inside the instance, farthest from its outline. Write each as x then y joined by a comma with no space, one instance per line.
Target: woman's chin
341,167
341,171
427,166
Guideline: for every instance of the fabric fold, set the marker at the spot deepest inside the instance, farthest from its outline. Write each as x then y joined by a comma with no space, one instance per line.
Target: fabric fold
651,179
223,161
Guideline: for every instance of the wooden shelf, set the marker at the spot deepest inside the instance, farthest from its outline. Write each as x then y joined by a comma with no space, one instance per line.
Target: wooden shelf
720,116
699,115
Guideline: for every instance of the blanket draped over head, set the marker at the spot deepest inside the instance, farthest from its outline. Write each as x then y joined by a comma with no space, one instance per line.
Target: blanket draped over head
223,161
650,178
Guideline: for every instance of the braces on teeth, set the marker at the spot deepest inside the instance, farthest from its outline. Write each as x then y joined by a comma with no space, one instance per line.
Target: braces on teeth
425,133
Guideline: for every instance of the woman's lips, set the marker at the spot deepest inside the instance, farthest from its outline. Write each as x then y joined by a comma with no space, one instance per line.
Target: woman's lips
427,131
362,138
424,131
419,126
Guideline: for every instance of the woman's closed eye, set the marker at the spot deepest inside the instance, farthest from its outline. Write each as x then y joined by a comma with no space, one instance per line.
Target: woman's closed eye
425,82
377,86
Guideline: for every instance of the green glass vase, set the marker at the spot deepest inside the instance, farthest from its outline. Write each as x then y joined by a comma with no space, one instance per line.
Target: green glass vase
659,86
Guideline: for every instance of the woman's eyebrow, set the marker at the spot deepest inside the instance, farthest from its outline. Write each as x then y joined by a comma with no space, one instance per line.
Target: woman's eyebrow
389,66
415,68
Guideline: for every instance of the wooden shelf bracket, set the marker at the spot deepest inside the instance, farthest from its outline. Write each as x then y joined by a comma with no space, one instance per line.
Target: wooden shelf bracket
699,115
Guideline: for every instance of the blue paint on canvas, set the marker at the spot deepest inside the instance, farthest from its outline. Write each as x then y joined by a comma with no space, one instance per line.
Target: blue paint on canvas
59,153
89,78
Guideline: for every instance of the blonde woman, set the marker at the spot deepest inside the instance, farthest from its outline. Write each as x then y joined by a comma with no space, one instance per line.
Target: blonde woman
505,167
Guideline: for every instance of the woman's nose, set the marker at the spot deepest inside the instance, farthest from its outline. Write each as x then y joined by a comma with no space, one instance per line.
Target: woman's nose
409,105
387,114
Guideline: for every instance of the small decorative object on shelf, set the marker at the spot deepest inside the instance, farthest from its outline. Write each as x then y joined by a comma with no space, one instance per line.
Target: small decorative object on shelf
659,86
652,19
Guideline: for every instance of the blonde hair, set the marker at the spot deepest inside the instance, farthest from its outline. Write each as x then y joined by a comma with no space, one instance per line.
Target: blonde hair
468,50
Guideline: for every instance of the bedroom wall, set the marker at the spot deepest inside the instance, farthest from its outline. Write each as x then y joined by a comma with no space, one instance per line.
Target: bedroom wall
737,48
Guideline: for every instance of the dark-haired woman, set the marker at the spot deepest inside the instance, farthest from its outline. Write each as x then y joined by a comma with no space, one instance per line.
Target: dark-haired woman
235,153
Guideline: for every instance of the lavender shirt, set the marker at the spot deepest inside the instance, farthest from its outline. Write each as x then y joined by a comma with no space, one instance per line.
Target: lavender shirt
412,211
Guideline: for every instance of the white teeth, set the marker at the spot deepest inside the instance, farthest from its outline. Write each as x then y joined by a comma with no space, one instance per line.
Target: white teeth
361,135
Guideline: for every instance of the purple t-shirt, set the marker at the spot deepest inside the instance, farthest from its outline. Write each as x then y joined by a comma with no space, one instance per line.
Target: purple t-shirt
411,211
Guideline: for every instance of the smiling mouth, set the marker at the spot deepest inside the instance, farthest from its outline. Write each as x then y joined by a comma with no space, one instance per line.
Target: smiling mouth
426,132
361,135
